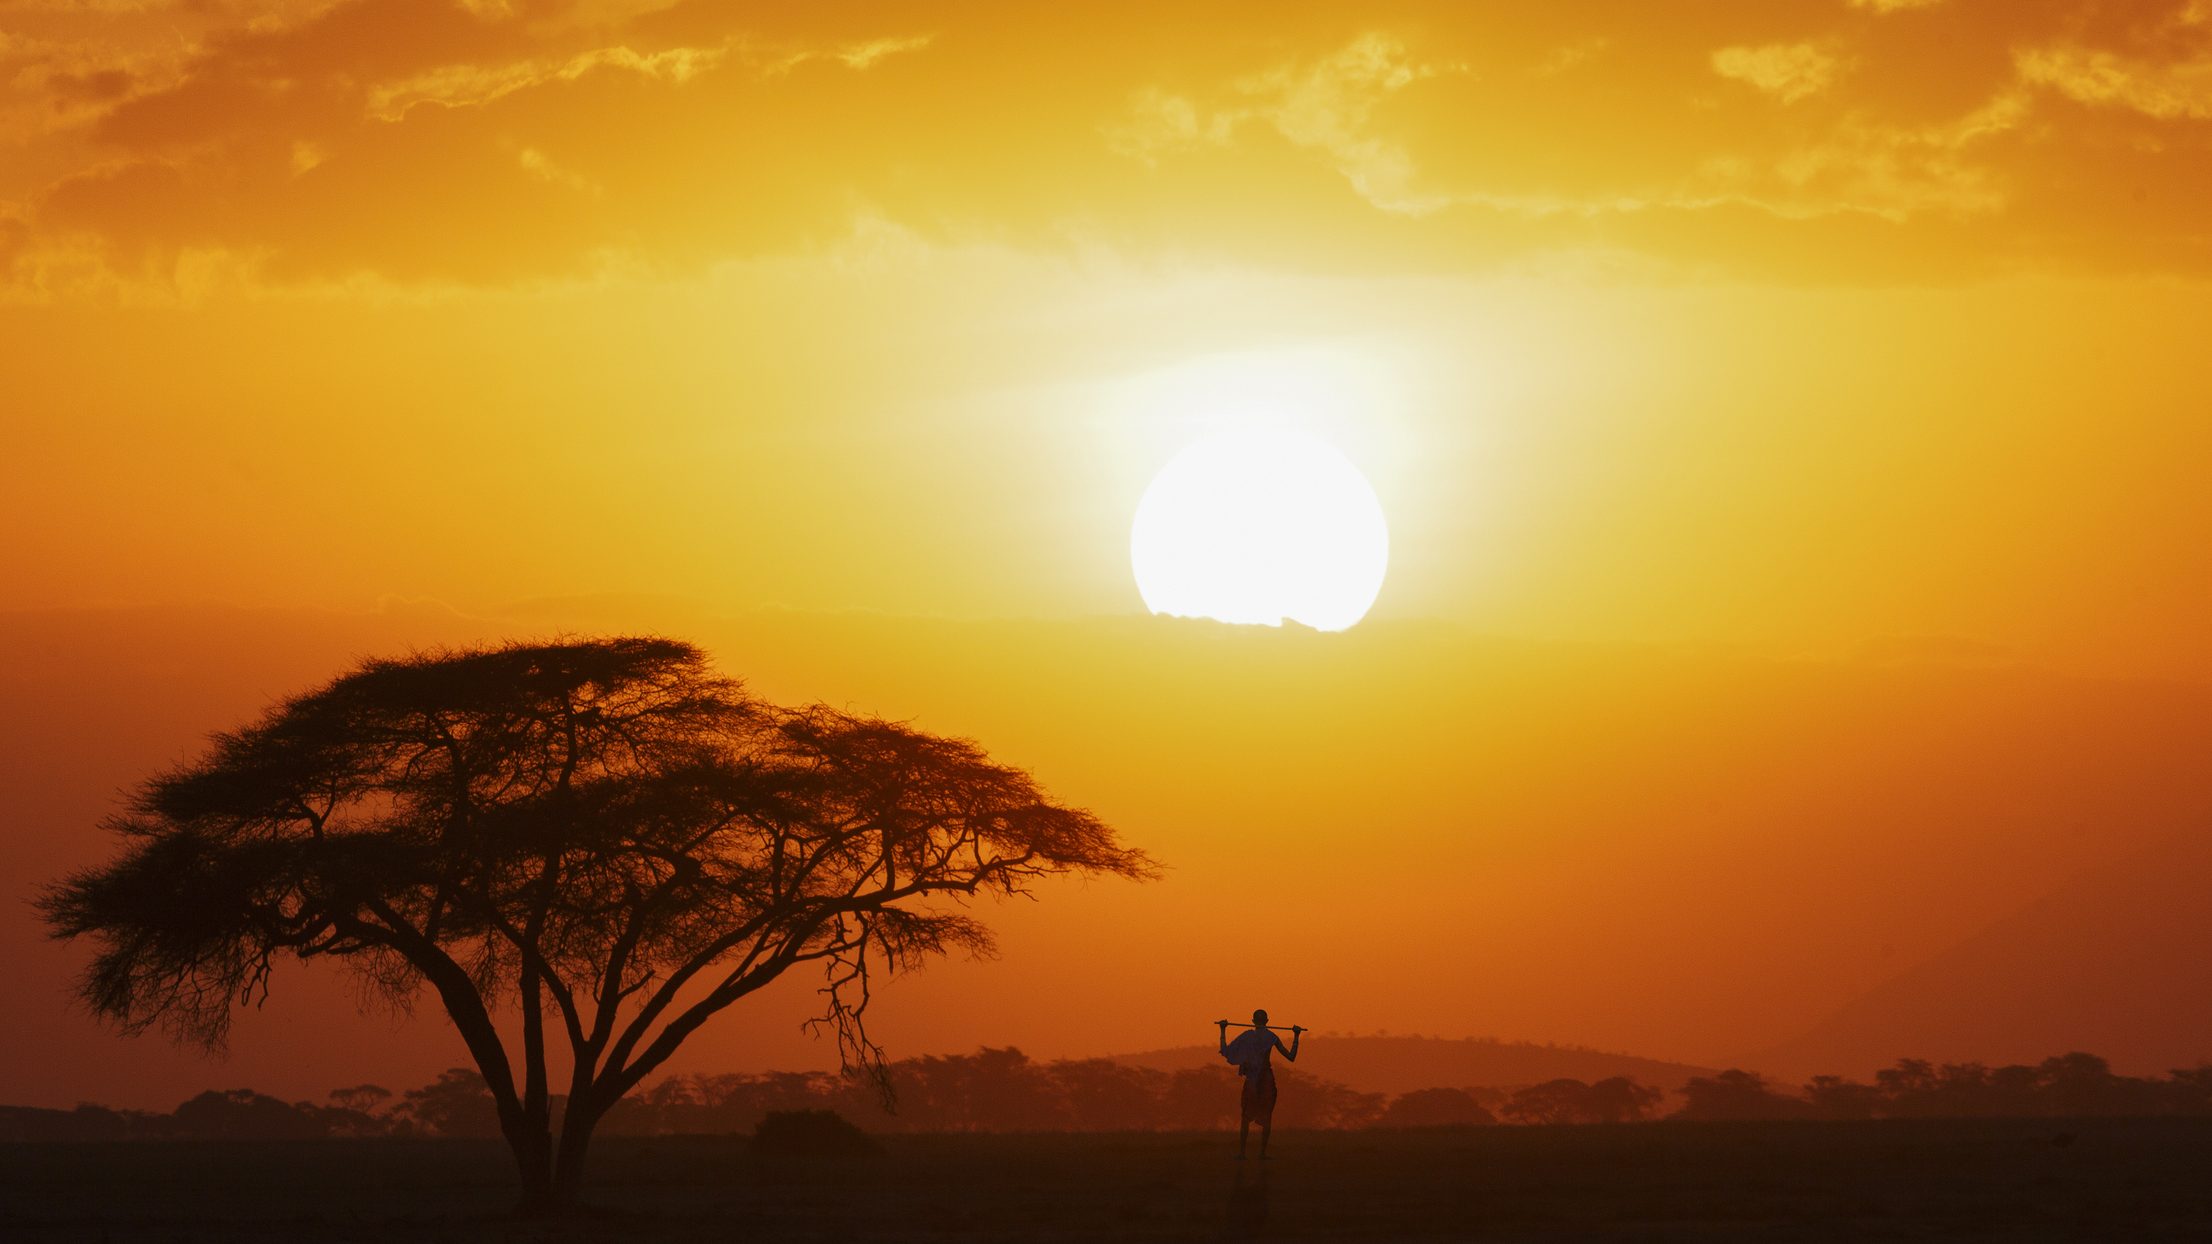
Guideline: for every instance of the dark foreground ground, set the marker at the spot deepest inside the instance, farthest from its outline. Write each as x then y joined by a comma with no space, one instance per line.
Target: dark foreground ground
2116,1180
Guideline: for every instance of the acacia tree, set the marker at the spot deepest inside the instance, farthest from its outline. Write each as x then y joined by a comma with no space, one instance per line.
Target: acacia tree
603,839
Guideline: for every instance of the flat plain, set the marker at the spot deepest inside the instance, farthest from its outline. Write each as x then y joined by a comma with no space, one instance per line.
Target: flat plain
2041,1179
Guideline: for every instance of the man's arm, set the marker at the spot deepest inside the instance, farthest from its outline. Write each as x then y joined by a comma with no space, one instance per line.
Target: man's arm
1290,1052
1224,1026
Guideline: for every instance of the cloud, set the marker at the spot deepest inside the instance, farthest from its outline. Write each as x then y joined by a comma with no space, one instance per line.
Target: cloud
464,85
1569,56
1330,106
2175,89
1902,173
1787,71
1326,105
866,53
1893,6
431,141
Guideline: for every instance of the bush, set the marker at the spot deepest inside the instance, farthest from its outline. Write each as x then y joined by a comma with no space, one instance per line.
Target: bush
810,1135
1435,1107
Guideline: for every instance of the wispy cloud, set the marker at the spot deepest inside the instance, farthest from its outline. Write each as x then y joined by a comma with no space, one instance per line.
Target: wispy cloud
2168,90
443,141
1787,71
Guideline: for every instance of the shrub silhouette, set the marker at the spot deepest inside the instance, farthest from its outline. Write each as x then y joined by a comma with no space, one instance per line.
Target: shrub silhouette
1615,1099
1435,1107
454,1104
811,1135
242,1114
1734,1094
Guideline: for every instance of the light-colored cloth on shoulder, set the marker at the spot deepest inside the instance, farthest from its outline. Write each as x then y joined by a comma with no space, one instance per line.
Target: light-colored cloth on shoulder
1249,1052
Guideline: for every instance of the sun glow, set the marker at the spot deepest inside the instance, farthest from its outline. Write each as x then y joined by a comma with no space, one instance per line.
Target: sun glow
1260,527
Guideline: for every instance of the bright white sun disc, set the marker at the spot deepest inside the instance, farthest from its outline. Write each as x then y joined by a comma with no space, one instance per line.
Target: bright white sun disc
1260,527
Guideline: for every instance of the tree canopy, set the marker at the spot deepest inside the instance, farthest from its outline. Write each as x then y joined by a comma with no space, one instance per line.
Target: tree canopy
604,838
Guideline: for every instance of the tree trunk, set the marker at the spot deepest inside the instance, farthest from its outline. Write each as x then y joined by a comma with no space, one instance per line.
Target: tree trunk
568,1167
532,1143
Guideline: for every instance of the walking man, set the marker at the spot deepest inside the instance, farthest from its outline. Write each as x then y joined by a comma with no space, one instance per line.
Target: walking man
1250,1053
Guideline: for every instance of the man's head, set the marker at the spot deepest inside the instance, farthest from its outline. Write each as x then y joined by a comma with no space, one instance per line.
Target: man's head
1259,1019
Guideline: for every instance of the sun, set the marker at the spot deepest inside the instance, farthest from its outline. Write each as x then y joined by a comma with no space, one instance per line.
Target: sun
1260,527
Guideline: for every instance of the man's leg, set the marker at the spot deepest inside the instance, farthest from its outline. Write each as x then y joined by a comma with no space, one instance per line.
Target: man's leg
1244,1132
1267,1129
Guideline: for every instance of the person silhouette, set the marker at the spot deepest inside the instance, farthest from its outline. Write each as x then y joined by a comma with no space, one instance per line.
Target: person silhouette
1250,1053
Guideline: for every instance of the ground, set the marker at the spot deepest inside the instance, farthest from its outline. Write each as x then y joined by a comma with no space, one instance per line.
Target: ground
2010,1180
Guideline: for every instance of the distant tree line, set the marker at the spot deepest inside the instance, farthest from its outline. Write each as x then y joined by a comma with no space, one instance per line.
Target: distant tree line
1002,1090
2069,1086
239,1114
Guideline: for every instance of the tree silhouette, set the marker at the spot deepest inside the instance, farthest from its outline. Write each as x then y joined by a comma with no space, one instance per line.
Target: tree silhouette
361,1098
457,1103
601,837
1618,1099
242,1114
1735,1095
1554,1101
1834,1097
357,1111
1615,1099
1435,1107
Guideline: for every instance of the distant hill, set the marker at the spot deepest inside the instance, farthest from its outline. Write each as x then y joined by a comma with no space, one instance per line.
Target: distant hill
2118,963
1400,1064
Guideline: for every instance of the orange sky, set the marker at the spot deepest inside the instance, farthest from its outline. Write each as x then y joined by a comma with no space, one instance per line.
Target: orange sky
1728,357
